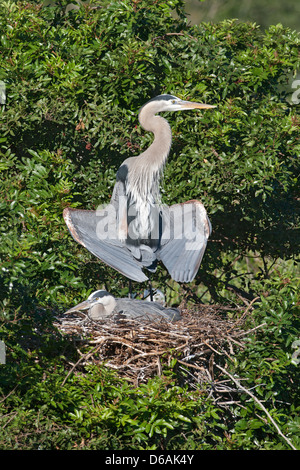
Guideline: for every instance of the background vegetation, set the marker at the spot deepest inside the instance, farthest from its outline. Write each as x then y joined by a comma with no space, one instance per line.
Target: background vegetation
263,12
74,80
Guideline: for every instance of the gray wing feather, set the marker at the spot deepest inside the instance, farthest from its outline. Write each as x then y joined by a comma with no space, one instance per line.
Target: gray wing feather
136,309
83,226
185,233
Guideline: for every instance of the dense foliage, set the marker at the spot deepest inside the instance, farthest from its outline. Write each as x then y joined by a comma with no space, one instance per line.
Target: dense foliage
74,81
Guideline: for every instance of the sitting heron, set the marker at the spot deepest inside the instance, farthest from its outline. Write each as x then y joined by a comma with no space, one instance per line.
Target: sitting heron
135,230
101,305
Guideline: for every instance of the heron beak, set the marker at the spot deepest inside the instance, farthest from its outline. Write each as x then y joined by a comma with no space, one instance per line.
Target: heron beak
82,306
193,105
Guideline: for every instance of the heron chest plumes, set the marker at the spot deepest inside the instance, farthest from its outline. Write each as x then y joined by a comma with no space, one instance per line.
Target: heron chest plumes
145,171
141,175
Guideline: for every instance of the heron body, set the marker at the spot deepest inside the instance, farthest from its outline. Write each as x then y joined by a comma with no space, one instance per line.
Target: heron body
135,231
101,305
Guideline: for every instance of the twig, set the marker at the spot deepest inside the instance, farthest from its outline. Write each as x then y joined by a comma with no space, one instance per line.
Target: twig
12,391
9,420
259,404
143,355
167,332
243,333
84,356
213,349
244,314
192,365
118,340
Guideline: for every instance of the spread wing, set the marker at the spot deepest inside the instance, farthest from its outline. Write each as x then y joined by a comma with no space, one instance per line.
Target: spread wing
97,233
186,228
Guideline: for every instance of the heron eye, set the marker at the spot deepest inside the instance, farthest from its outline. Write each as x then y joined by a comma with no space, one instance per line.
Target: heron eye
173,101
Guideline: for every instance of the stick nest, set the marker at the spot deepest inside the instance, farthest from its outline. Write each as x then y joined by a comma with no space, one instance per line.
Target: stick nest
198,342
139,351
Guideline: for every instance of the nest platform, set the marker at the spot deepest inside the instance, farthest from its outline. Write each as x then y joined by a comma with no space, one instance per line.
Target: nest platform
139,350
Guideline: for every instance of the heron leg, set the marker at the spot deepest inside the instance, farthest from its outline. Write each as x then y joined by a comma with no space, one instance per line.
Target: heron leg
130,289
151,291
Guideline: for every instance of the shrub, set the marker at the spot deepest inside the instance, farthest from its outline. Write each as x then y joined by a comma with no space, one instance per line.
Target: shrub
74,83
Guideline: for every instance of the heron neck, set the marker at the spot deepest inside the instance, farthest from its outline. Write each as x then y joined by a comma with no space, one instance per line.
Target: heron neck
145,171
143,180
155,156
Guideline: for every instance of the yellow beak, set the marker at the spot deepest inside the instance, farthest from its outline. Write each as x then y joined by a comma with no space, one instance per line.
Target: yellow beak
82,306
193,105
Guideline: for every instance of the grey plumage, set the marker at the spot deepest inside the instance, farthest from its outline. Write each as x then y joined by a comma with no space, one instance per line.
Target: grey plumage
135,230
101,305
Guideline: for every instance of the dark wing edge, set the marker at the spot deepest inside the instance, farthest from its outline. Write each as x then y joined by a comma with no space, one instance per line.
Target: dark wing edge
183,251
82,225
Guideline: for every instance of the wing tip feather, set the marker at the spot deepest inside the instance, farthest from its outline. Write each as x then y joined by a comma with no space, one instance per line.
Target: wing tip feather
67,215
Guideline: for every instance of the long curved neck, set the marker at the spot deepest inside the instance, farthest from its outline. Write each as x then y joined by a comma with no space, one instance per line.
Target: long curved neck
143,179
156,155
147,168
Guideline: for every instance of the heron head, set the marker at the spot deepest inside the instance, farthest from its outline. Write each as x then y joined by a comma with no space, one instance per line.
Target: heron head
99,303
172,103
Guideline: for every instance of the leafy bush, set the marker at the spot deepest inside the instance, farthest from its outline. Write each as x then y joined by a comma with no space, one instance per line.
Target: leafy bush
74,82
45,407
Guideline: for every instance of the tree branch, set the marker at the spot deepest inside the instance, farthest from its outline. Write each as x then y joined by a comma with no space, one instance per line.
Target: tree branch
259,404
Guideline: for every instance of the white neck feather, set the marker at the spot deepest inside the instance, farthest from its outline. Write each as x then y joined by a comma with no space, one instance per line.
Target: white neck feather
146,171
143,179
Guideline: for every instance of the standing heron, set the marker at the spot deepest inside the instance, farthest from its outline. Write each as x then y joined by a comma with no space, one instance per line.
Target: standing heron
135,230
101,305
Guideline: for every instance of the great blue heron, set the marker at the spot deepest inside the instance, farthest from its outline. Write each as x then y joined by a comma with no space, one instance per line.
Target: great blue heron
101,305
135,230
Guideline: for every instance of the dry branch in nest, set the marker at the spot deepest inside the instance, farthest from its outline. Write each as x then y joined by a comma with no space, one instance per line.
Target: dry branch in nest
138,350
